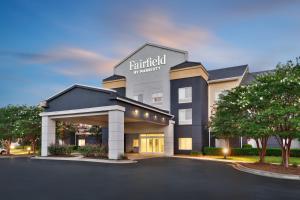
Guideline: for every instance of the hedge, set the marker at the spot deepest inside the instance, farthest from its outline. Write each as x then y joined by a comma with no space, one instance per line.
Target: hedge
99,151
248,151
59,150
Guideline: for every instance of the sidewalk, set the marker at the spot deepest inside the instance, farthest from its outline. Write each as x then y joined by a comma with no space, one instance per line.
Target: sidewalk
82,159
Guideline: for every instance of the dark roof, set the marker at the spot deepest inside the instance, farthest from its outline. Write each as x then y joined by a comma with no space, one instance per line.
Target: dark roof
186,64
250,77
114,77
228,72
83,87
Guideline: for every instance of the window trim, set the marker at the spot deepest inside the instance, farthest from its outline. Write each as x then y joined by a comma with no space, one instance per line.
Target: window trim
185,147
185,100
185,122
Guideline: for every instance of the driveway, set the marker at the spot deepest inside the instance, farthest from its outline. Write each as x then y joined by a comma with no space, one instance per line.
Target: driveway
156,178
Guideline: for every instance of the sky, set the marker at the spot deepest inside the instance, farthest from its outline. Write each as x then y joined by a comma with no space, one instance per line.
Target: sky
47,46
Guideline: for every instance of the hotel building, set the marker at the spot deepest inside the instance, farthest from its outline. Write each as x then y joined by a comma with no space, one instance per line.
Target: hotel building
156,101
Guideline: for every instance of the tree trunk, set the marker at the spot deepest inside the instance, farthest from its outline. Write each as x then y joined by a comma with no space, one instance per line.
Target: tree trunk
262,148
286,152
8,146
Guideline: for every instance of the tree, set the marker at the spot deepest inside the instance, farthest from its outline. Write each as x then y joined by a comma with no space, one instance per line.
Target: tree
29,125
239,113
20,122
283,110
9,121
65,129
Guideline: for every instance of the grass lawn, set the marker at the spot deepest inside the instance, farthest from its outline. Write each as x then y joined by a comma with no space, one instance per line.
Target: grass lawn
18,151
269,159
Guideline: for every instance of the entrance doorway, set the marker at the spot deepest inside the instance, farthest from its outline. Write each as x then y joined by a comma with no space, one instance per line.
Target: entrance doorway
152,143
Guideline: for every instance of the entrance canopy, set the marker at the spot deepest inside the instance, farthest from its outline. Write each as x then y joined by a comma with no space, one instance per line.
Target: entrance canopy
104,107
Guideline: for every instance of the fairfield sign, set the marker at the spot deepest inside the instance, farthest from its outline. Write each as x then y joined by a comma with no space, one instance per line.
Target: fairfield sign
149,65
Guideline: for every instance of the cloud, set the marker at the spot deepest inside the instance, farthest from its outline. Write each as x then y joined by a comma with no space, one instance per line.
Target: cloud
202,43
69,61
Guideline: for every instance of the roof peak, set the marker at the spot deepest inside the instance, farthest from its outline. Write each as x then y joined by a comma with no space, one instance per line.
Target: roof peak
154,45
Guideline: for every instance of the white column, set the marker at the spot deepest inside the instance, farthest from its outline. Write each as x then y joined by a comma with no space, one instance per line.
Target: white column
48,134
115,134
169,138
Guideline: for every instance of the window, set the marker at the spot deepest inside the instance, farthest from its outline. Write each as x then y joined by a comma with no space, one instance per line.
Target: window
185,116
157,98
185,143
135,143
138,97
185,95
218,94
81,142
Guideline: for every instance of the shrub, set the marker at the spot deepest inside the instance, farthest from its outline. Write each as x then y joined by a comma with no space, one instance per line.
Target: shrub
247,146
248,152
58,150
122,157
99,151
195,153
295,165
216,151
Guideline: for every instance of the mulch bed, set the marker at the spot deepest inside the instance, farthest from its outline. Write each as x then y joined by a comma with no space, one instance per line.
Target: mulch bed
273,168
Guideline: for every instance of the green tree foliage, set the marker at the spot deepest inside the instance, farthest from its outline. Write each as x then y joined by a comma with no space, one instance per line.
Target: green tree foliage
65,129
283,110
19,122
268,107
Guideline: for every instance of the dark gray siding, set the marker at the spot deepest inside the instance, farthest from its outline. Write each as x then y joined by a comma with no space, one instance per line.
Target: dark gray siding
78,98
198,130
121,91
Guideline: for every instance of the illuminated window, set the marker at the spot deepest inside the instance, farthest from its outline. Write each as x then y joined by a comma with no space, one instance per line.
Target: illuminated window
135,143
81,142
185,143
157,98
185,95
185,116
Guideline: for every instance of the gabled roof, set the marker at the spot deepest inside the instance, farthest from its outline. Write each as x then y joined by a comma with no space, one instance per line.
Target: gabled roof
154,45
225,73
250,77
114,77
81,86
186,64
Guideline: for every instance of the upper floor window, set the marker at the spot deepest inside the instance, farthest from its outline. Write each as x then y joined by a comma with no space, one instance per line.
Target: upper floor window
185,116
218,94
185,95
157,98
138,97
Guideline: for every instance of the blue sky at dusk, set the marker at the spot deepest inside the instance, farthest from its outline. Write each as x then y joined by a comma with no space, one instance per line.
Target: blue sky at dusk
46,46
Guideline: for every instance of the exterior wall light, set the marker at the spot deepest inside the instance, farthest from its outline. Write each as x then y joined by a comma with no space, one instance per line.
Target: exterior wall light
136,111
155,117
225,152
146,114
163,119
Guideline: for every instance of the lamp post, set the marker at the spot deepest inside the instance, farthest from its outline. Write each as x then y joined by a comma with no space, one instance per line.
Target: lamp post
225,152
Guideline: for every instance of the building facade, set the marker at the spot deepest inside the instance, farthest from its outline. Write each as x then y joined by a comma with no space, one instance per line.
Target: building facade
156,101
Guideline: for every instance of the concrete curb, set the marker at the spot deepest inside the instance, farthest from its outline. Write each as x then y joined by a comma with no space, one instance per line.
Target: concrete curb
265,173
81,159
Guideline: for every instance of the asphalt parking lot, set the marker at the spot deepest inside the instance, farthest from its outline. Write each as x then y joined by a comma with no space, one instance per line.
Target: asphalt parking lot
157,178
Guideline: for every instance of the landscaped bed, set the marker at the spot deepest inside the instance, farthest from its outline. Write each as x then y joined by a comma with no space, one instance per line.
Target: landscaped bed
273,168
253,159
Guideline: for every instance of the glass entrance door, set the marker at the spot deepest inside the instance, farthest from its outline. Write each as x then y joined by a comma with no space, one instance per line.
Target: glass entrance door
152,143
